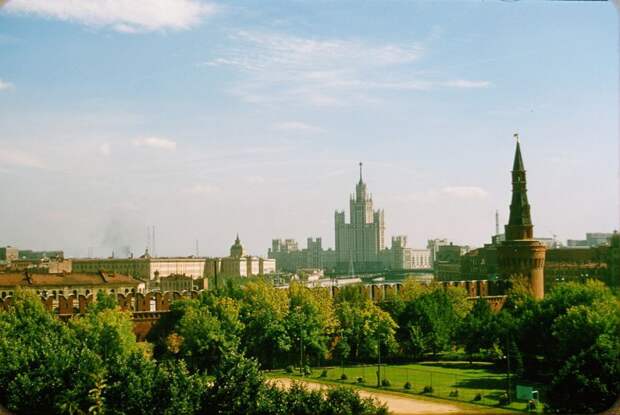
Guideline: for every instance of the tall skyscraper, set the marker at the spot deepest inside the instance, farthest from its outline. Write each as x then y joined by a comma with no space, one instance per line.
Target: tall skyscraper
520,255
360,242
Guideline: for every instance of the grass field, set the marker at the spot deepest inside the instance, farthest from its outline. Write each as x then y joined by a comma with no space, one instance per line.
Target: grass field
459,381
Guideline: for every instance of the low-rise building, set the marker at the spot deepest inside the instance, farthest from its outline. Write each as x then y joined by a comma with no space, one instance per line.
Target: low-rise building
68,284
238,264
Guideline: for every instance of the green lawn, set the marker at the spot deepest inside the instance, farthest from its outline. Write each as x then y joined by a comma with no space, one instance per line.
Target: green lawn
457,381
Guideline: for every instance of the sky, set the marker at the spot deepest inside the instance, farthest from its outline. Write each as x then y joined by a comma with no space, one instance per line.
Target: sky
211,118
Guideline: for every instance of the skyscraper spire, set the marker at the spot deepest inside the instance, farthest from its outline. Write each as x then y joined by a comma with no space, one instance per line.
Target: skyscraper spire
361,181
520,223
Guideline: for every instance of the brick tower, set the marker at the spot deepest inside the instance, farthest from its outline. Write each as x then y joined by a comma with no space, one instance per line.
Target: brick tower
520,255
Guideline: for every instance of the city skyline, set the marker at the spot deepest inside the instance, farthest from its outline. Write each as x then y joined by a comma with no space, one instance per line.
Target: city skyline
223,118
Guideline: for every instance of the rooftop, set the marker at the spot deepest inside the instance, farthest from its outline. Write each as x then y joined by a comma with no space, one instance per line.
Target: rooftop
22,279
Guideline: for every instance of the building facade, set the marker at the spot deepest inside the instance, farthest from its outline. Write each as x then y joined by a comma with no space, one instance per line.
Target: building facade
238,264
360,241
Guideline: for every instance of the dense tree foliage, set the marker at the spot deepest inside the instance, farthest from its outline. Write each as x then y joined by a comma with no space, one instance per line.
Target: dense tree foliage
365,329
569,341
94,365
428,317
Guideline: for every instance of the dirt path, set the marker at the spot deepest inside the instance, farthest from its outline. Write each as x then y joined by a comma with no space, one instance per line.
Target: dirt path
396,404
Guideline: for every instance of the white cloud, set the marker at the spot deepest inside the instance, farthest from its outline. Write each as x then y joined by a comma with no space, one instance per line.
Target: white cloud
255,179
105,149
5,85
465,192
448,192
280,68
156,142
463,83
19,158
127,16
202,189
296,126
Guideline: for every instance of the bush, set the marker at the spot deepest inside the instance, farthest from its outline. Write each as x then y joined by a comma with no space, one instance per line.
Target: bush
289,369
408,386
478,398
454,393
344,377
361,380
386,383
324,373
428,389
504,400
307,371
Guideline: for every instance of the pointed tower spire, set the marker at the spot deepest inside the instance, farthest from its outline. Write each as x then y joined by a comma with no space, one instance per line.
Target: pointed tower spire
361,181
518,164
520,224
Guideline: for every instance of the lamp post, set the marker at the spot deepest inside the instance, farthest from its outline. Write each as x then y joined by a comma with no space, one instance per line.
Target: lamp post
379,364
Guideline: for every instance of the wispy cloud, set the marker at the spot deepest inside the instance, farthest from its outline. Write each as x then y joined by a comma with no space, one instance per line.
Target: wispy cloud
155,142
463,83
127,16
465,192
5,85
448,192
255,179
277,67
296,126
202,188
12,157
105,149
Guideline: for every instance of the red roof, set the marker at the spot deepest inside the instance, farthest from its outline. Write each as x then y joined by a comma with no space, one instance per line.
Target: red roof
14,279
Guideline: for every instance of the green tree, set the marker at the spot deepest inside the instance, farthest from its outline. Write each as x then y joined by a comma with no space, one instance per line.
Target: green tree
238,387
263,312
310,322
429,322
588,382
364,327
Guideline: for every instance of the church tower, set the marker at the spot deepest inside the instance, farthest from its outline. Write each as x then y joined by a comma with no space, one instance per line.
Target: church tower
236,250
520,255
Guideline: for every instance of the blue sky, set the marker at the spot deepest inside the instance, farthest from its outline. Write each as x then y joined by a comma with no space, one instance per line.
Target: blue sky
212,118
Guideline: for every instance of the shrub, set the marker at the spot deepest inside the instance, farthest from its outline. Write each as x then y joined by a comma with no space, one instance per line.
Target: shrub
504,400
324,373
428,389
344,377
454,393
408,386
307,371
289,369
386,383
361,380
478,398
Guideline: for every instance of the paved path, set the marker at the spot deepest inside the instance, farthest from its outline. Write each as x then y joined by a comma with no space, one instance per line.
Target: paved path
397,405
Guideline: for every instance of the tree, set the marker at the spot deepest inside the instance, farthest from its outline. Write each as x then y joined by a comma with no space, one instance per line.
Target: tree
263,312
200,331
238,387
43,366
106,331
479,330
588,382
428,323
310,322
364,327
